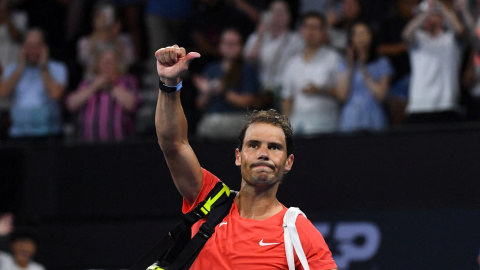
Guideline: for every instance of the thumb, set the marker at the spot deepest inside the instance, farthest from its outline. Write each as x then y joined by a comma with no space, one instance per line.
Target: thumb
190,56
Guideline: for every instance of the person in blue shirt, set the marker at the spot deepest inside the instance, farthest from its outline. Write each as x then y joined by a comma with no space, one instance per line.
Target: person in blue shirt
363,84
35,83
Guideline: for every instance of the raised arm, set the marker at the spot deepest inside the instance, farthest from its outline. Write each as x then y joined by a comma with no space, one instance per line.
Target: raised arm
414,24
171,124
453,20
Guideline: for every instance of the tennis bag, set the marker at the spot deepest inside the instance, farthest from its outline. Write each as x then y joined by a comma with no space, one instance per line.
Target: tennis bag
178,250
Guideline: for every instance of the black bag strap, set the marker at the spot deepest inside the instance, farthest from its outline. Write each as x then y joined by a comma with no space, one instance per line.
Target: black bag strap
217,204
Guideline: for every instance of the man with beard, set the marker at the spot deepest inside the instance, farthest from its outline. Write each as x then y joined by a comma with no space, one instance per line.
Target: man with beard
251,235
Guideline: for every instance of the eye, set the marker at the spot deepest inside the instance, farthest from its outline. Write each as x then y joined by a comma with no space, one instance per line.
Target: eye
275,147
253,145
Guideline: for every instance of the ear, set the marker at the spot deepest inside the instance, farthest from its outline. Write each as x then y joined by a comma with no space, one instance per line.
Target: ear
238,158
289,163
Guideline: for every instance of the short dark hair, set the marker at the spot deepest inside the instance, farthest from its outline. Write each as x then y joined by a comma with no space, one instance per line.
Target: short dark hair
270,117
23,234
314,14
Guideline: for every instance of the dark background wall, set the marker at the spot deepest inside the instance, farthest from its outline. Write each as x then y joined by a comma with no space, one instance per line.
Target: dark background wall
412,197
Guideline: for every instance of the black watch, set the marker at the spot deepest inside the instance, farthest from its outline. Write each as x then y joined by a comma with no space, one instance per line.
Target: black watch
169,89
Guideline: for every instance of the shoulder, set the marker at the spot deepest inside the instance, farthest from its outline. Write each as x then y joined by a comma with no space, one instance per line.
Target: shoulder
56,65
208,183
35,266
309,235
9,70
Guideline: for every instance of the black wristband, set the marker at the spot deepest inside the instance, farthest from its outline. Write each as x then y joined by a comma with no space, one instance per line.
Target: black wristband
169,89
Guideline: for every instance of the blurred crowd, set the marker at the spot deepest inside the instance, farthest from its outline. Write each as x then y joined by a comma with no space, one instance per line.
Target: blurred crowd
84,70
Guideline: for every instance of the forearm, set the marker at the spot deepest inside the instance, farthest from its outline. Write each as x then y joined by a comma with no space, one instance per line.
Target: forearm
7,86
239,100
126,99
14,33
453,20
413,25
378,88
343,87
54,90
252,54
79,98
248,9
202,100
170,122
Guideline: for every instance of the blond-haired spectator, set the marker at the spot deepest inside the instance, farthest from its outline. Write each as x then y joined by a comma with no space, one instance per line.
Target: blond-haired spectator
106,101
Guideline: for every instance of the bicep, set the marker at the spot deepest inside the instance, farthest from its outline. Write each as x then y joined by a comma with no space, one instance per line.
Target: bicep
186,171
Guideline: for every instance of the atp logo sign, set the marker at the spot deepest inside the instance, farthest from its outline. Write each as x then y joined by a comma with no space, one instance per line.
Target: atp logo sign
351,241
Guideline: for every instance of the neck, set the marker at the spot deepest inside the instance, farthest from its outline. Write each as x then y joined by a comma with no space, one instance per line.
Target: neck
310,52
258,203
21,263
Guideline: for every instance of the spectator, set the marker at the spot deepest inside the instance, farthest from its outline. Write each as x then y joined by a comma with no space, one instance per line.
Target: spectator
208,23
434,87
227,89
395,48
363,83
106,34
340,19
13,25
37,83
308,88
106,101
270,47
23,245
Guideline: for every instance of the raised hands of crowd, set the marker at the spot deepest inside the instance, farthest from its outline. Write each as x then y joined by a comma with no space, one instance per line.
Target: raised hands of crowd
6,223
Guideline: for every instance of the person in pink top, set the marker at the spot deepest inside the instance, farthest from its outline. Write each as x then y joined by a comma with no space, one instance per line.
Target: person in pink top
105,102
251,235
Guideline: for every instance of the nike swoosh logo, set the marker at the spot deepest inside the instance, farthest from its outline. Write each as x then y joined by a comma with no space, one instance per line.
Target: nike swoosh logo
223,223
266,244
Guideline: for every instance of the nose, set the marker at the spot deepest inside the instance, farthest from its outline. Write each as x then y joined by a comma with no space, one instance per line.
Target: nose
263,153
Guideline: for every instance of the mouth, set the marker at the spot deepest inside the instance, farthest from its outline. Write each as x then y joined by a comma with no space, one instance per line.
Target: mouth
262,165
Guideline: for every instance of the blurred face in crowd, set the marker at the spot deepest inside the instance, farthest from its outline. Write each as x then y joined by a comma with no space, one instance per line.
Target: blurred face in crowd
23,251
281,14
433,24
230,45
34,47
313,31
361,37
351,9
104,17
107,64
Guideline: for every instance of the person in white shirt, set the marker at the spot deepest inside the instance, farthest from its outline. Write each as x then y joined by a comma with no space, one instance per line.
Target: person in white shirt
435,58
309,82
270,47
24,246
